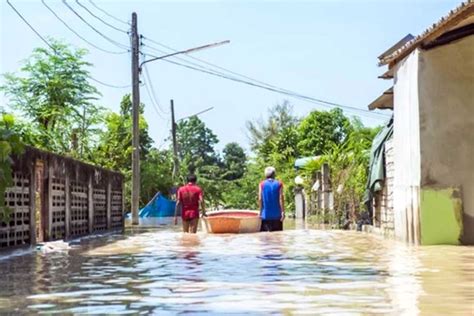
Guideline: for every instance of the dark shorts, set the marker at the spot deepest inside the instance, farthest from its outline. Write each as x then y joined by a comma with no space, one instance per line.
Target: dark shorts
270,225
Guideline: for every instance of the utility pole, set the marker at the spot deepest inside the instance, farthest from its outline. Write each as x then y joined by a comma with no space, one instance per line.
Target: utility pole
175,145
135,121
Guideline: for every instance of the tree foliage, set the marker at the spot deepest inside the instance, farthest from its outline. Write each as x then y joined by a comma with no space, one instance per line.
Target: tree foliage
320,130
54,94
234,162
10,144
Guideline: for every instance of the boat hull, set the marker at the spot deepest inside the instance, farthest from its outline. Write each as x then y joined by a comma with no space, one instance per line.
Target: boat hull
231,222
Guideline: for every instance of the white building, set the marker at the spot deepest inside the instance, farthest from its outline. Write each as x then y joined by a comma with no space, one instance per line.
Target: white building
432,99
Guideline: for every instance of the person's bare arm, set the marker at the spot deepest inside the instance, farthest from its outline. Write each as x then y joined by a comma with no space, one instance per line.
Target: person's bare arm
260,199
282,203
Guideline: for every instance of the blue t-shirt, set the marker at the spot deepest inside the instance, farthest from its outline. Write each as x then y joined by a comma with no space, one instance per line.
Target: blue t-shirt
271,208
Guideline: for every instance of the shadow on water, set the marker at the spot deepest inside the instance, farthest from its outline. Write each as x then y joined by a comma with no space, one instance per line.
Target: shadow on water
157,269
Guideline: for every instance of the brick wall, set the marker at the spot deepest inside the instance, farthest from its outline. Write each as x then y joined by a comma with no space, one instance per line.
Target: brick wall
383,202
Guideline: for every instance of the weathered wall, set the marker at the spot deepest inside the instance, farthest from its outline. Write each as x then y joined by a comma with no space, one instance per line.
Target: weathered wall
384,199
446,102
54,197
406,145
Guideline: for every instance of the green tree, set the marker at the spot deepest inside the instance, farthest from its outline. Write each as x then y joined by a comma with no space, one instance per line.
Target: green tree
54,94
234,161
263,132
155,174
243,193
197,154
348,163
114,150
196,144
320,130
10,144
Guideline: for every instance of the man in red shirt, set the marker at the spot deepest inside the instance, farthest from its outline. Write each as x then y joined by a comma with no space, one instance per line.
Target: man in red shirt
189,197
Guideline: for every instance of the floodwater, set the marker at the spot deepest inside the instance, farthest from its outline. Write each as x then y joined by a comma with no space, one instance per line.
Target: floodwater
297,271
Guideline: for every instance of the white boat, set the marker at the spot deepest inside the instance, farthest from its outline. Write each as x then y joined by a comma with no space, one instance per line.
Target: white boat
231,222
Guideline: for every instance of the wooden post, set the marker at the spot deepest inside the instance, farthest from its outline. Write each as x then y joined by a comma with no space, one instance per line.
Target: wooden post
135,120
109,204
325,188
90,198
49,202
319,197
33,203
175,144
67,205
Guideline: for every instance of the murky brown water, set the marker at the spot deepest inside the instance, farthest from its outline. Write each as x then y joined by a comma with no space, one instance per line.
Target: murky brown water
297,271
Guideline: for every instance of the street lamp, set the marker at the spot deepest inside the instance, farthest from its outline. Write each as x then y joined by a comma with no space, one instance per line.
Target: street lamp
187,51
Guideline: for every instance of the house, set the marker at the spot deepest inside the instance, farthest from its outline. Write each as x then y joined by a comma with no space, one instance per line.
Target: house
428,195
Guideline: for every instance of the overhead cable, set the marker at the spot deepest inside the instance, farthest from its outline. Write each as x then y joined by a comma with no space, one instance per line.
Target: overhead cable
31,27
54,50
98,18
108,14
152,101
93,28
110,85
279,90
78,35
147,75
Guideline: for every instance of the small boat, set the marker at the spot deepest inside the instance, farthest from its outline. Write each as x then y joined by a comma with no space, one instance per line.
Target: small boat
231,222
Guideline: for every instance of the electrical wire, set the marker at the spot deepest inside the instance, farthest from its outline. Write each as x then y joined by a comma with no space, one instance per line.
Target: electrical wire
98,18
108,14
152,101
78,35
147,75
93,28
279,90
54,50
31,27
110,85
250,78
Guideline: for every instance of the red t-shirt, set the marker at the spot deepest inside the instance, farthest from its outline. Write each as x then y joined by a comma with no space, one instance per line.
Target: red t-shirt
189,196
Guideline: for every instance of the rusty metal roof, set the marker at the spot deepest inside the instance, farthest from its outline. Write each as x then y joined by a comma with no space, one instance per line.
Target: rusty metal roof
452,20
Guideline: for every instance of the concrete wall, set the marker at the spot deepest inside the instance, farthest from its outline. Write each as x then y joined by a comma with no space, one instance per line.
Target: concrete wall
446,111
406,145
384,199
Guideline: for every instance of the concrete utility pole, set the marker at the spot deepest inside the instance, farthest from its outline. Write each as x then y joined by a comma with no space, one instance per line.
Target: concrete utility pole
175,144
135,121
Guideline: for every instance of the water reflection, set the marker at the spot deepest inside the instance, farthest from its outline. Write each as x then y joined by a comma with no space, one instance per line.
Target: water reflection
160,270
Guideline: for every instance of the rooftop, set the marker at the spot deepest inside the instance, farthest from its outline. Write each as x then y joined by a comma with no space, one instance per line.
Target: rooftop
462,16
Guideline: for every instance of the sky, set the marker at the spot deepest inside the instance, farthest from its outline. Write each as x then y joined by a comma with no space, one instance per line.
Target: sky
323,49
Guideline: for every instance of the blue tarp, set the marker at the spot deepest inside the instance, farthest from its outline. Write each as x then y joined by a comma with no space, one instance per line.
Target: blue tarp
159,206
301,162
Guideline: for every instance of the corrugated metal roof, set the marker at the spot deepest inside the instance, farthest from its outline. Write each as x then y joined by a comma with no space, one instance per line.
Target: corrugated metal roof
446,23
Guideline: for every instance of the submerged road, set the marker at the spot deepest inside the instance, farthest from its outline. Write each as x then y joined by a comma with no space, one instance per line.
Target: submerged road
297,271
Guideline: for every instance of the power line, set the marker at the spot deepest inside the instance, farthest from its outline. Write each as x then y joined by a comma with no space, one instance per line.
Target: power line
147,75
277,90
110,85
260,84
108,14
54,50
152,101
31,27
78,35
213,65
93,28
98,18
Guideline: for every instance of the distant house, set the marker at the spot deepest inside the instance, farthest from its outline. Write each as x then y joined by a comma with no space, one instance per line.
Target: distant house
428,195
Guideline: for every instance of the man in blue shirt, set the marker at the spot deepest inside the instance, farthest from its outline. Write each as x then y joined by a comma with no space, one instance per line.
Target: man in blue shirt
271,202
